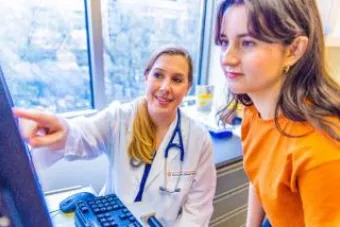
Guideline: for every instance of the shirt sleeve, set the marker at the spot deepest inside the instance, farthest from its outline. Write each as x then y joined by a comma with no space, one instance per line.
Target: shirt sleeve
319,190
198,208
87,138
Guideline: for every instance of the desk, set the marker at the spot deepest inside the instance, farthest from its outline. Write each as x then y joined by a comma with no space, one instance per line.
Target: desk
226,151
53,198
230,202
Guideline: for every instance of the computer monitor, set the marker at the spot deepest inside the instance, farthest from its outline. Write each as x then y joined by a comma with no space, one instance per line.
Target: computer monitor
21,199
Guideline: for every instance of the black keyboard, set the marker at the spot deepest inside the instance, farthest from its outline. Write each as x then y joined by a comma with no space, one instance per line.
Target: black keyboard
104,211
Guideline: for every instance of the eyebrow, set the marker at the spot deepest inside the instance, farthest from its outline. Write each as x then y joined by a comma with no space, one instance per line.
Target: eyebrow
160,69
179,75
239,35
175,74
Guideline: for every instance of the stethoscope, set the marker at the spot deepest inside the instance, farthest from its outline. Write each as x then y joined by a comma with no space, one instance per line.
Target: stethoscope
178,146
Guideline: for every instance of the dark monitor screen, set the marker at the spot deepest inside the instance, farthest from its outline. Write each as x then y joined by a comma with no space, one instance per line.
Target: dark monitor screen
21,199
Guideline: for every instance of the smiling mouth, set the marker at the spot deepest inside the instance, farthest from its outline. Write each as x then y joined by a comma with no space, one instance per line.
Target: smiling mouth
163,101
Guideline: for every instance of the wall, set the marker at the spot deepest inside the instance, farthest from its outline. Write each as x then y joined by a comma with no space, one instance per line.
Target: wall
334,62
66,174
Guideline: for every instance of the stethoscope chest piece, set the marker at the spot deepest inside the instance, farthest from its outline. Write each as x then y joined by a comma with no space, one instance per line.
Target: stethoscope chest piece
135,163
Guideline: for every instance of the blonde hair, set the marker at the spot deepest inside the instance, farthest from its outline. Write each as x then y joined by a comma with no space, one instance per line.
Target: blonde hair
142,146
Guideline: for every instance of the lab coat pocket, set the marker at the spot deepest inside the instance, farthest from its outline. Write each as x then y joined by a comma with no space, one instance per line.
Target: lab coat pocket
171,201
174,193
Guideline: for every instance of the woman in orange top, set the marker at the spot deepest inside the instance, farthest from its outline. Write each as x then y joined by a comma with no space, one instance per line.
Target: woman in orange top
272,55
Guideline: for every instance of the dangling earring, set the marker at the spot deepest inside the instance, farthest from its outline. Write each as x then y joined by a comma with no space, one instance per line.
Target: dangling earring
286,69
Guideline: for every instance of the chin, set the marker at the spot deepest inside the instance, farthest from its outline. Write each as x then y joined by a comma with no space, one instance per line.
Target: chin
163,110
237,90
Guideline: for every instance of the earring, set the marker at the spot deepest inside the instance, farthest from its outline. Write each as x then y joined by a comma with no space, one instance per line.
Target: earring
286,69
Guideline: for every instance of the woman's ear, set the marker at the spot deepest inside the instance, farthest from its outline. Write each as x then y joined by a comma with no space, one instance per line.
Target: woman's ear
296,50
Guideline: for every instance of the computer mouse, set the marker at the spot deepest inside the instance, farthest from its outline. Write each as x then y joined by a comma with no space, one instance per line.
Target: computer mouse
69,204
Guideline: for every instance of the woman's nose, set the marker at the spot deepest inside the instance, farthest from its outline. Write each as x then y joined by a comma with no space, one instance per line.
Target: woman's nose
229,56
166,85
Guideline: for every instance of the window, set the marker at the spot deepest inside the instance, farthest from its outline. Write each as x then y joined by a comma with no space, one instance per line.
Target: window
73,55
44,53
133,29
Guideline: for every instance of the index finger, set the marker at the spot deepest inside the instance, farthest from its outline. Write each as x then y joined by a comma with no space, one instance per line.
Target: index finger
39,117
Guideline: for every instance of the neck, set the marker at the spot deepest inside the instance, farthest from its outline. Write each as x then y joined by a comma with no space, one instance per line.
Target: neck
266,100
162,122
265,104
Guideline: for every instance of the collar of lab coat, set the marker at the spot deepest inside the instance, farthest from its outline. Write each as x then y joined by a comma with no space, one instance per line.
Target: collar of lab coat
158,164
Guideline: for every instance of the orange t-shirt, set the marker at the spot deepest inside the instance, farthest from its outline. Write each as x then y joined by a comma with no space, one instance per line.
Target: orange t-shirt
297,180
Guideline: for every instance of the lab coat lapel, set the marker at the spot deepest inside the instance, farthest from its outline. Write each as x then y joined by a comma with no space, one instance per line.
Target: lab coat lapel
135,172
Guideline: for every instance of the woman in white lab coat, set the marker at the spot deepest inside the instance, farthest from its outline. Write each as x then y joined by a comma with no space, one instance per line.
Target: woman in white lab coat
135,137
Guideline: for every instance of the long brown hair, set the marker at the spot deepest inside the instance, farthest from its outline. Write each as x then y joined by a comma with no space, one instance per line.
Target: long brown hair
308,92
142,145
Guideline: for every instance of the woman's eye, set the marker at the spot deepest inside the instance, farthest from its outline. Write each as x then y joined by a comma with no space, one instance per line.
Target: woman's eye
224,43
247,43
157,75
177,80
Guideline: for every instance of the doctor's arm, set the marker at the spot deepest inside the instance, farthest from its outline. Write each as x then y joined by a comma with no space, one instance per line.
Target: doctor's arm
198,207
53,137
89,137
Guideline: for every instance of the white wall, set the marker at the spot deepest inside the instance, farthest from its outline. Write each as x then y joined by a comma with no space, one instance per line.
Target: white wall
65,174
334,62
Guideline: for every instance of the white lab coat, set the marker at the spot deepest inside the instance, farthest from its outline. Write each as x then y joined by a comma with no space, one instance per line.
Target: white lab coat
109,132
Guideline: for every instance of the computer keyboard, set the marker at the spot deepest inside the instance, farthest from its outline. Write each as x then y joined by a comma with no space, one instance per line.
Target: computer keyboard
104,211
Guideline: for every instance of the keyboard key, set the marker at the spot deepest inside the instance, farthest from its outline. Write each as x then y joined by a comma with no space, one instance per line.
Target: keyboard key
125,210
84,209
123,216
100,215
96,210
103,209
110,218
91,202
102,220
113,224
